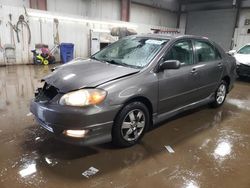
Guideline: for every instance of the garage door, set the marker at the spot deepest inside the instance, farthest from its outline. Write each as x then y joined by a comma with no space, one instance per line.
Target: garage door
218,25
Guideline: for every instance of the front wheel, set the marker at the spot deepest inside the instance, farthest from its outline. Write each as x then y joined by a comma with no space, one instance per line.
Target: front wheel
130,124
220,94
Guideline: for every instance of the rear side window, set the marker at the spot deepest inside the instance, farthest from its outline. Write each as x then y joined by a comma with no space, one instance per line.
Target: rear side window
206,52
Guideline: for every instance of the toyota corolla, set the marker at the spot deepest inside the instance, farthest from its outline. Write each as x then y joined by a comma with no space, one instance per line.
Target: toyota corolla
129,86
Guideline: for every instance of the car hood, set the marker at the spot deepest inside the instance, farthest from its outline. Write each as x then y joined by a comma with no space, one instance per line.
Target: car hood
85,73
243,58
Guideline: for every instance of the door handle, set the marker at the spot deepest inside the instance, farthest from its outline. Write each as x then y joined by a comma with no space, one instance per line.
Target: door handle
193,71
220,65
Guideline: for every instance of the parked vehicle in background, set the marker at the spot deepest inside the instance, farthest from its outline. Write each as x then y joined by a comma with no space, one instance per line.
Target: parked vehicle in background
242,57
130,85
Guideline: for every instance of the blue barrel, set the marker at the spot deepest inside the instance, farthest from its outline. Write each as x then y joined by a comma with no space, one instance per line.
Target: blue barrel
66,52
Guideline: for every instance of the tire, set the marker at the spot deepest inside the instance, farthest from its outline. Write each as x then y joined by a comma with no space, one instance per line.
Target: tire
45,62
220,94
130,124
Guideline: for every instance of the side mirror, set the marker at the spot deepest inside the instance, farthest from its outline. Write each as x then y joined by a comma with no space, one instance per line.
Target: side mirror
170,64
231,52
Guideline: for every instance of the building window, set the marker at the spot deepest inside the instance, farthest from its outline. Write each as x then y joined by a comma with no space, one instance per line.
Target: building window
38,4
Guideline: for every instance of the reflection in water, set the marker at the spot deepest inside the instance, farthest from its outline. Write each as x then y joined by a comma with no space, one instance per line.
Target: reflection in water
28,170
51,162
223,149
205,143
48,160
242,104
188,177
191,184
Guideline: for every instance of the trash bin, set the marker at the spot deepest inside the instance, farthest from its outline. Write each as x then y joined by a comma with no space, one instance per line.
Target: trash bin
66,52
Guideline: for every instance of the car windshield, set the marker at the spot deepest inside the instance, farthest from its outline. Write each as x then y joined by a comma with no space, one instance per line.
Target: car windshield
244,50
136,52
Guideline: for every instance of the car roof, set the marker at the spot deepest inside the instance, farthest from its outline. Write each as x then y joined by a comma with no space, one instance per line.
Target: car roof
165,36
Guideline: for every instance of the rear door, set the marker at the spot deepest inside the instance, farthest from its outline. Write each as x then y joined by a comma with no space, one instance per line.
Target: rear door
177,87
210,66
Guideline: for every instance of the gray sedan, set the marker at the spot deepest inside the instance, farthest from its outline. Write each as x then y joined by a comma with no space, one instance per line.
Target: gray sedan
129,86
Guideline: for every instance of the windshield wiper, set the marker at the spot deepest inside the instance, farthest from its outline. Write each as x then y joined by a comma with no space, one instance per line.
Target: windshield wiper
93,57
101,60
105,60
115,62
111,61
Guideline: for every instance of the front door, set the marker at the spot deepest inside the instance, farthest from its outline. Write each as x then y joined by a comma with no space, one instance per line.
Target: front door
177,87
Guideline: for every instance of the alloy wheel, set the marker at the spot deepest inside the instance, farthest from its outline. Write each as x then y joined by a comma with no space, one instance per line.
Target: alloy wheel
221,94
133,125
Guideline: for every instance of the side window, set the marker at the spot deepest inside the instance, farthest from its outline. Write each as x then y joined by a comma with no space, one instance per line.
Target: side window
181,51
206,52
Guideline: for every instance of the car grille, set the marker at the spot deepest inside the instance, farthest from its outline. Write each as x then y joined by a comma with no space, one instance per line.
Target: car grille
45,94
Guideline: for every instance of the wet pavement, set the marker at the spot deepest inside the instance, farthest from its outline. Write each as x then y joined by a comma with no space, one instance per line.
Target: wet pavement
211,146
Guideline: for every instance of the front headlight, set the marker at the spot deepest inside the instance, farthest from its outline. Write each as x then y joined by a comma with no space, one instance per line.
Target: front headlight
83,97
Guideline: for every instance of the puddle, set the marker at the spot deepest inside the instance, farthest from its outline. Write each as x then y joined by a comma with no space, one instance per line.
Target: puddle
242,104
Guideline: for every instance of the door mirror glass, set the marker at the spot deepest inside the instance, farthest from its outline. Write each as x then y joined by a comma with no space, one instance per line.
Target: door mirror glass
170,64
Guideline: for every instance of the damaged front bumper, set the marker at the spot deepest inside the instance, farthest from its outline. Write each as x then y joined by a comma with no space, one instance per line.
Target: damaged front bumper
97,121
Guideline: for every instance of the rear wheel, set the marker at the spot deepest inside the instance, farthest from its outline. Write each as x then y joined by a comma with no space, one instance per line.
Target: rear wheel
130,124
220,94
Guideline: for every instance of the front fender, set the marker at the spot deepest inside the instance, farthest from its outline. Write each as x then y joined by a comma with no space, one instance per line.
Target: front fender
140,85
